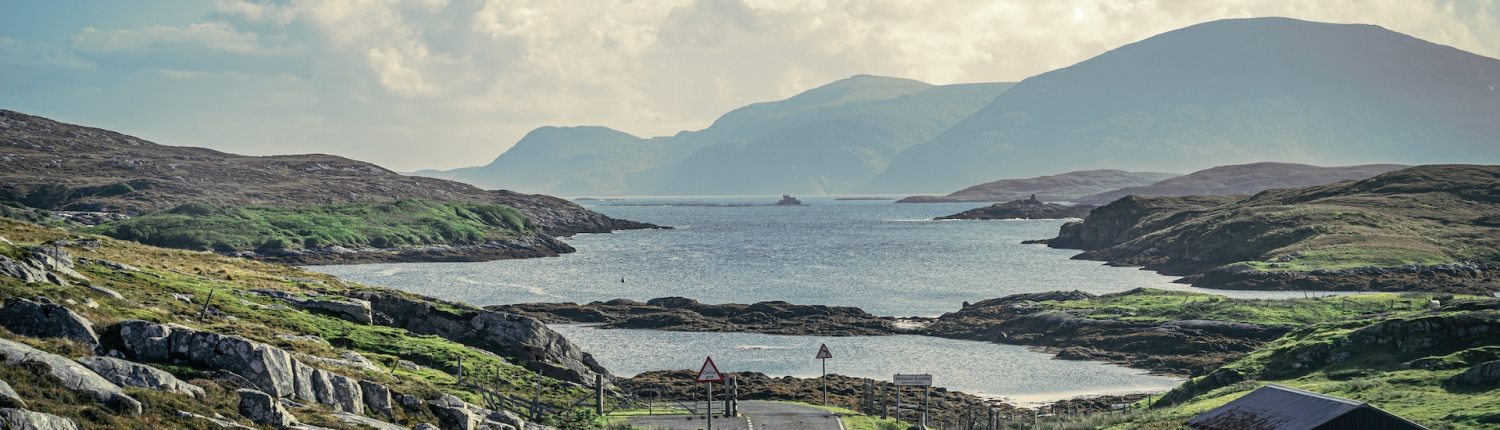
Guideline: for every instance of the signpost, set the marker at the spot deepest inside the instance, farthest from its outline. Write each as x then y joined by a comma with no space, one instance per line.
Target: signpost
923,380
824,355
709,373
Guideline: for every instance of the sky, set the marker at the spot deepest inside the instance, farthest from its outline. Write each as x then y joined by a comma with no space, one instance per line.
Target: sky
450,83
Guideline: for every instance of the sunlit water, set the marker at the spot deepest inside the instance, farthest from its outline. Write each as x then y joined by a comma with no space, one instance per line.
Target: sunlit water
1013,372
889,259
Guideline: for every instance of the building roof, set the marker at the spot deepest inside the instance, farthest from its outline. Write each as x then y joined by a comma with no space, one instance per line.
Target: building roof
1285,408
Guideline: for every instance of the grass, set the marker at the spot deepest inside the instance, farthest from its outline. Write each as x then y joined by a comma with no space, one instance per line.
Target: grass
200,226
148,295
1153,305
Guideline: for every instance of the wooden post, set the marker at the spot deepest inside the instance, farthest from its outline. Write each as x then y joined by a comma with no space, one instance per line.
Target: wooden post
460,370
536,398
885,402
869,397
204,314
599,393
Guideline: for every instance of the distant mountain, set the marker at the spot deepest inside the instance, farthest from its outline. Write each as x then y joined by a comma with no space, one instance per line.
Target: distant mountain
1061,187
570,161
1227,92
1245,179
832,138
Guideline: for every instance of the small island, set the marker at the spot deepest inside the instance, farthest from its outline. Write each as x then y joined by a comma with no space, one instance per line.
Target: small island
1024,209
787,200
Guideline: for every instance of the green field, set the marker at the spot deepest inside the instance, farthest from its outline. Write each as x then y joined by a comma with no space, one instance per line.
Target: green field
1153,305
201,226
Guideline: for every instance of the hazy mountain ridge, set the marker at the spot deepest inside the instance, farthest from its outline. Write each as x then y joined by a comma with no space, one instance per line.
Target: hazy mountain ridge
1245,179
1069,186
835,137
1227,92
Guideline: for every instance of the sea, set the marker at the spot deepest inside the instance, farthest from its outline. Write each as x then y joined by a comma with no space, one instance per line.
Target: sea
886,258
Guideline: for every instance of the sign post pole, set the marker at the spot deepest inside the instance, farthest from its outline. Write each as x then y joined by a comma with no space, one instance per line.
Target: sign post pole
709,373
923,380
823,355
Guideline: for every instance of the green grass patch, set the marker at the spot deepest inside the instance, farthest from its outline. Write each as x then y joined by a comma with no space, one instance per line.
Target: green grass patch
1152,305
201,226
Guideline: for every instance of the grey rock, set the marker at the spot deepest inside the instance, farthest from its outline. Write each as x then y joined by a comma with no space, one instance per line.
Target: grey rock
347,395
9,394
355,310
322,387
54,259
377,397
262,408
116,265
21,419
46,319
1486,373
454,413
72,375
130,374
363,422
185,298
108,292
425,426
302,382
26,273
539,348
215,421
267,367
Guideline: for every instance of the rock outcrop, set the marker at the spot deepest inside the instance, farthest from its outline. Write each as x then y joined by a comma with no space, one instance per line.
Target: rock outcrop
272,370
72,375
21,419
1482,374
539,348
264,409
46,319
683,314
1024,209
129,374
348,309
456,414
8,394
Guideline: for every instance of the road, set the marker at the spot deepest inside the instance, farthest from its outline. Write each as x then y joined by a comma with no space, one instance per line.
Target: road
754,415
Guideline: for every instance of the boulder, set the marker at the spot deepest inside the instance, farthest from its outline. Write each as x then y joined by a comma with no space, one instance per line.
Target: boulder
539,348
262,408
108,292
322,388
1482,374
302,382
46,319
181,414
9,396
454,413
365,422
53,259
267,367
347,395
72,375
22,271
355,310
377,397
21,419
130,374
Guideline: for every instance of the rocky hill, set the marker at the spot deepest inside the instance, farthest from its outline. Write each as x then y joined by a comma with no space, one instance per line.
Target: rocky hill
1227,92
99,176
1023,209
101,333
1243,179
1422,228
1066,187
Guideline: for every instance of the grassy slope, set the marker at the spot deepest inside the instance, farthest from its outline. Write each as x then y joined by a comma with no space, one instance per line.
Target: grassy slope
1152,305
1421,215
148,296
382,225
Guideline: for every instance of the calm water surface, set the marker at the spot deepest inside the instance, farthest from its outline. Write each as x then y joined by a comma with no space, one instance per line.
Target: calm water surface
886,258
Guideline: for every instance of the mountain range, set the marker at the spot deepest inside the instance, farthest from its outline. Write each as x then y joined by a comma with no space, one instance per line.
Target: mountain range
1244,179
1223,92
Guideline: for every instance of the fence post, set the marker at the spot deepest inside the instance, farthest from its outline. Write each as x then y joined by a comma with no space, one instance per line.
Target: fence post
869,396
885,402
536,398
599,394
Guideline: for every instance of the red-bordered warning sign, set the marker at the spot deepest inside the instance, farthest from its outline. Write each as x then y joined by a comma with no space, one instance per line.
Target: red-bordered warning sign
710,372
823,352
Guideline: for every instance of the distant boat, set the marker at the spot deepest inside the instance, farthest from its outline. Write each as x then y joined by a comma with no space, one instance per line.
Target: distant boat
787,200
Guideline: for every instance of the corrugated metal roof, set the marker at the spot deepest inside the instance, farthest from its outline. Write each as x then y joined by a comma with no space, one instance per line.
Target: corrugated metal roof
1274,407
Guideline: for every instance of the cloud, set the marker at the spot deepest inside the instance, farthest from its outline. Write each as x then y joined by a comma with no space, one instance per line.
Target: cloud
446,83
19,54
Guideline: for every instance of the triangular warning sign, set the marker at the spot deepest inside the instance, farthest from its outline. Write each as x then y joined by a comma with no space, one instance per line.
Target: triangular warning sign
709,372
823,352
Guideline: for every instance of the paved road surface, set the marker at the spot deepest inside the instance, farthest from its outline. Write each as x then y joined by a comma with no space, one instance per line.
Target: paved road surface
755,415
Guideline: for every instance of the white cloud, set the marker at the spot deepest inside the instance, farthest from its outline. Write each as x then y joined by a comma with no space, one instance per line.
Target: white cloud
466,78
16,53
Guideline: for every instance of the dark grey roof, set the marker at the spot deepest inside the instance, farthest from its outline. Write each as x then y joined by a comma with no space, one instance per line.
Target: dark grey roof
1275,407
